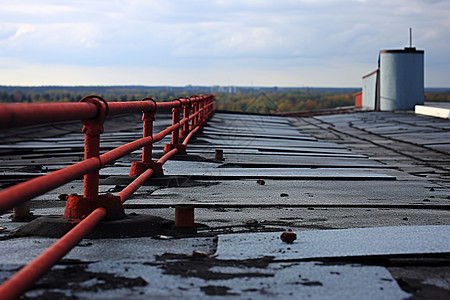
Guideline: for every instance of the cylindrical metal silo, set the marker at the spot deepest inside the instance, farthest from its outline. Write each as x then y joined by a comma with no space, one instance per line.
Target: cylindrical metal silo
401,79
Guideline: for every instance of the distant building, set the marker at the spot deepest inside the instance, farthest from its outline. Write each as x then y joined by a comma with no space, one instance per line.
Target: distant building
358,99
398,83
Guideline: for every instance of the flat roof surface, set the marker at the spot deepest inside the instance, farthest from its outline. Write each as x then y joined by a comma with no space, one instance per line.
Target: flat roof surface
340,182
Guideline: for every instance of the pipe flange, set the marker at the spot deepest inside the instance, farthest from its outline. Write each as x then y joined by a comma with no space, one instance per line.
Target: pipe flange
154,102
96,100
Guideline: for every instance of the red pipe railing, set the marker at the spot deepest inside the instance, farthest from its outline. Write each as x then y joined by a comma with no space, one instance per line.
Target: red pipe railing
26,276
17,194
89,210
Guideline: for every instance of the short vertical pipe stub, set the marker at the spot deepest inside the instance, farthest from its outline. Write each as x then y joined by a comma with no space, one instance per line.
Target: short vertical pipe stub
21,213
218,154
184,216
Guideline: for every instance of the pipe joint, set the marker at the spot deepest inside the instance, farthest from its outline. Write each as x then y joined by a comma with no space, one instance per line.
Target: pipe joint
95,126
78,208
149,115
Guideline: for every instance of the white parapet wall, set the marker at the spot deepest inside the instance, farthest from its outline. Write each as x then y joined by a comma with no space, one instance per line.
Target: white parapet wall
369,90
439,112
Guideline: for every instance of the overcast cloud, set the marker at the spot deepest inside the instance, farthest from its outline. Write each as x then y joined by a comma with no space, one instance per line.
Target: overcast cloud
200,42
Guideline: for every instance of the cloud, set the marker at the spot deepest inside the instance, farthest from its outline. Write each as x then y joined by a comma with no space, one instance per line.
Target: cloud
23,30
276,36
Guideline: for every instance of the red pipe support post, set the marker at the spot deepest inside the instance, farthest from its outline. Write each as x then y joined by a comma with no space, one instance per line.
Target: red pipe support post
175,120
186,111
199,116
92,129
137,168
77,208
148,117
203,111
175,133
194,120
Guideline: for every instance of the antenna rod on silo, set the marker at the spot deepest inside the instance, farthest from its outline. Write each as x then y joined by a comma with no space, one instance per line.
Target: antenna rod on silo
410,37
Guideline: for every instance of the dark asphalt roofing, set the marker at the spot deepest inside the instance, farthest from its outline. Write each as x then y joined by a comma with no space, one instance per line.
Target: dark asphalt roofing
339,181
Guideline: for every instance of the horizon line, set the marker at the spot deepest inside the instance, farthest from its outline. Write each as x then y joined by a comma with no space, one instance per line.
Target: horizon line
195,86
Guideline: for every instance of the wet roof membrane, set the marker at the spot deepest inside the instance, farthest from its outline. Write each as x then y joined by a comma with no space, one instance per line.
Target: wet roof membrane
356,188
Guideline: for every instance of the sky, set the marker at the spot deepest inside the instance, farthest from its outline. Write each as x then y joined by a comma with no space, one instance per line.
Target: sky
293,43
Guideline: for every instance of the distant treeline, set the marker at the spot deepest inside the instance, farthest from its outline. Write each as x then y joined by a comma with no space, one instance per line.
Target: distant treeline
437,95
294,100
75,94
241,99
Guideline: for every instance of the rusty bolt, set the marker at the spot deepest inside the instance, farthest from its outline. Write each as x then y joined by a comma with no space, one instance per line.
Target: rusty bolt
260,181
197,253
288,237
251,222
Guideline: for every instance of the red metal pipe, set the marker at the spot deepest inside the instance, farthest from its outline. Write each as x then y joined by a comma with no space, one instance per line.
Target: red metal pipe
91,179
19,114
163,133
188,137
193,116
132,187
168,155
19,193
119,108
168,105
148,118
175,120
23,279
112,155
123,150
